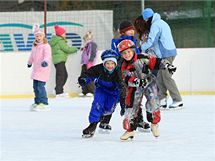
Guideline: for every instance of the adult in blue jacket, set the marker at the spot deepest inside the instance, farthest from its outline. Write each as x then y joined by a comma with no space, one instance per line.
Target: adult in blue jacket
160,38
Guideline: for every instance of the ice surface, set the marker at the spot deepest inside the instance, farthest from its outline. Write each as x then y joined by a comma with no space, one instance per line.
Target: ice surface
186,134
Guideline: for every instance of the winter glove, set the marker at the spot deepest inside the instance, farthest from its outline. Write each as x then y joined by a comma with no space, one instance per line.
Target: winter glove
44,64
141,82
29,65
171,68
82,81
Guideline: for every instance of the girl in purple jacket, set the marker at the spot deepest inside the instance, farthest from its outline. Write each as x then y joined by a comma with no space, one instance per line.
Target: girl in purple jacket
40,58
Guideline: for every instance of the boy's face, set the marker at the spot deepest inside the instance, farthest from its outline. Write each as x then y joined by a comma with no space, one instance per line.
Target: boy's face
109,65
39,37
128,54
129,32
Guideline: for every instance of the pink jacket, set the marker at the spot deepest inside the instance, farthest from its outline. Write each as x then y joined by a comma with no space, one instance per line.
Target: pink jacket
40,53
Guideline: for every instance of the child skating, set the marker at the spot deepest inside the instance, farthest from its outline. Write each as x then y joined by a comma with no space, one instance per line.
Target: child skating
136,72
107,92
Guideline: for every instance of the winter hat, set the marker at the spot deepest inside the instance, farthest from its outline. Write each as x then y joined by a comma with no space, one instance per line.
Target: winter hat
125,26
59,30
110,58
147,13
37,30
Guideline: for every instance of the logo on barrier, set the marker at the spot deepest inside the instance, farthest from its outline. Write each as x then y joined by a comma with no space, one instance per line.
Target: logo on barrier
23,42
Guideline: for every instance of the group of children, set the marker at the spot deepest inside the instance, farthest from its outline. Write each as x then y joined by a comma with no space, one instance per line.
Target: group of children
124,76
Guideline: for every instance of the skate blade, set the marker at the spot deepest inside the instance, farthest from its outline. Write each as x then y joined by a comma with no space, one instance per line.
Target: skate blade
143,130
103,131
86,136
128,139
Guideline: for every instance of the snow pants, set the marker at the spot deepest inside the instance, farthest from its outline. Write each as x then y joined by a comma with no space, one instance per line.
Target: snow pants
103,104
133,104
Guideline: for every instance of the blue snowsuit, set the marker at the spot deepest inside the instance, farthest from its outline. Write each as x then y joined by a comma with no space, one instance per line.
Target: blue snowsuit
107,93
115,42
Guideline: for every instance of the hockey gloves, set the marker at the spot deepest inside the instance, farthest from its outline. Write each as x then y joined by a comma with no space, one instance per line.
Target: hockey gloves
171,68
44,64
82,81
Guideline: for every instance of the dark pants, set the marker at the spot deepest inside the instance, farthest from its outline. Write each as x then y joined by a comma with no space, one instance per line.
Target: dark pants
40,92
90,87
61,77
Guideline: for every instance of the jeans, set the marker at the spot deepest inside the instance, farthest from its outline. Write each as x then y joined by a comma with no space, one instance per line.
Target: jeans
40,92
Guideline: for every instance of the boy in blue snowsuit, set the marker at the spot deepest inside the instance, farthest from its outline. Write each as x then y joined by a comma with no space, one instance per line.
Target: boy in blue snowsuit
108,92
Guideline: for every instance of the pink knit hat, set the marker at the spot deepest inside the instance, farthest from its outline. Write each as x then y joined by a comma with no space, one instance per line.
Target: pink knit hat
59,30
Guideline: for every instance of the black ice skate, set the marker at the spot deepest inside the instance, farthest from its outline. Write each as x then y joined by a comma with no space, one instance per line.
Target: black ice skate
104,126
143,127
90,130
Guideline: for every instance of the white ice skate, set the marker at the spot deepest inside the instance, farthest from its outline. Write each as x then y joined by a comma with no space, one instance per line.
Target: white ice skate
155,130
176,105
41,108
62,95
127,135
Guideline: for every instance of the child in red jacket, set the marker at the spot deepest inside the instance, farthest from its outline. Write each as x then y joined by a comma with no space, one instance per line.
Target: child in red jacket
136,72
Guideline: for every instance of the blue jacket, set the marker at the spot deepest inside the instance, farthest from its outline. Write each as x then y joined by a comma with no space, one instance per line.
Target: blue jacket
109,83
115,42
160,38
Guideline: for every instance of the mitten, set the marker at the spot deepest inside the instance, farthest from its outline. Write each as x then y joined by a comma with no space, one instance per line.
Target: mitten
44,64
29,65
82,81
171,68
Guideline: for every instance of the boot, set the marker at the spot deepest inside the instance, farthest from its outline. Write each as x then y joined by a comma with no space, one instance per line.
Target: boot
104,123
142,126
155,130
127,135
90,130
163,103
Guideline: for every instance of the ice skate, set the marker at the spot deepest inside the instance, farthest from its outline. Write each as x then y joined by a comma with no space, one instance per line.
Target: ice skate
89,95
176,105
33,106
127,135
155,130
90,130
62,95
41,108
104,128
143,127
163,104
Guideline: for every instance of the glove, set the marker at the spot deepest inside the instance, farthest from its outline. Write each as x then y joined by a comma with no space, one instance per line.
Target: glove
44,64
171,68
141,82
29,65
82,81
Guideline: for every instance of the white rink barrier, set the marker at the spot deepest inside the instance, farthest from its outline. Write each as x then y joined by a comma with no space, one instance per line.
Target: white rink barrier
195,73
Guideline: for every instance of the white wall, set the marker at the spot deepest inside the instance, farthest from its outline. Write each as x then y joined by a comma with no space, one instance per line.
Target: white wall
195,72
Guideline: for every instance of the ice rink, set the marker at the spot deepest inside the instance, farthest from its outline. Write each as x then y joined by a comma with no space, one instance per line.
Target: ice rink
186,134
